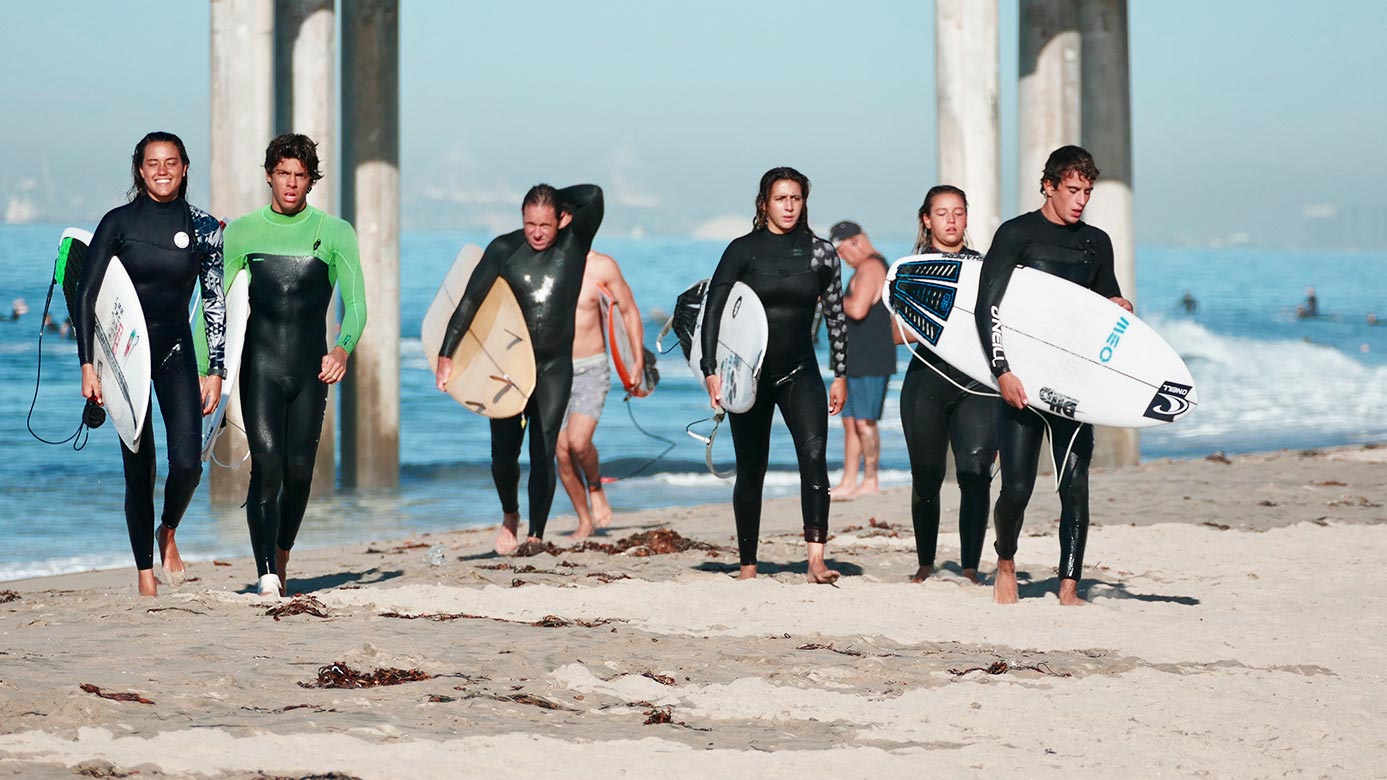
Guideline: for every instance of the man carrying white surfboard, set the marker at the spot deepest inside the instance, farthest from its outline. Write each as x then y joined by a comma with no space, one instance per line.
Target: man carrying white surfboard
1055,241
295,255
592,378
543,264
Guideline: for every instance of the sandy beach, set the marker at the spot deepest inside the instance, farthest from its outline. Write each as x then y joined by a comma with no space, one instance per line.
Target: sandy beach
1237,628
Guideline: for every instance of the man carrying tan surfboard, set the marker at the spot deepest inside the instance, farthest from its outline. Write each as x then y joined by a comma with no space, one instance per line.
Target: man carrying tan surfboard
579,468
543,264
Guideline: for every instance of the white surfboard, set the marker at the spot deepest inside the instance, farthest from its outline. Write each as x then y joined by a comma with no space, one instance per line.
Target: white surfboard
237,317
494,366
120,352
1078,354
623,347
742,335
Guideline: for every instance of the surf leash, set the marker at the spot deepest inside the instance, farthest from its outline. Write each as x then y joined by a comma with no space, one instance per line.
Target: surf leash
708,443
669,445
92,415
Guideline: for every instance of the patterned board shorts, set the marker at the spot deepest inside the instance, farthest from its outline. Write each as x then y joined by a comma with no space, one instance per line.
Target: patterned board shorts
592,378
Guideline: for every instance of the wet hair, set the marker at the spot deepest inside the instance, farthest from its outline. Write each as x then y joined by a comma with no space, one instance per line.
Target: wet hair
543,195
1066,160
923,239
294,146
763,197
137,187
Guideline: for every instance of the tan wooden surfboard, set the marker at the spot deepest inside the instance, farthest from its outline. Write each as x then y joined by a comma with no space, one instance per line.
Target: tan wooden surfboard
494,366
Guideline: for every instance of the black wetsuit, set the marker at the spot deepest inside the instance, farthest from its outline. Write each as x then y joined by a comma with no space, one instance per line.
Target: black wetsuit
1082,254
294,262
547,285
790,273
935,412
167,248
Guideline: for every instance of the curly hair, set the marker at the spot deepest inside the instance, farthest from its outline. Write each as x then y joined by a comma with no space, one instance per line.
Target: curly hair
1064,161
294,146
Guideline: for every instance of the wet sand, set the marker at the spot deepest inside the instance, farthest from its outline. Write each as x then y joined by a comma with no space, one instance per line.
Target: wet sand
1237,628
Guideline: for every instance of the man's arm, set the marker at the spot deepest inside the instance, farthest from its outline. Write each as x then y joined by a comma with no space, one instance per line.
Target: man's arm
864,290
346,263
609,274
483,276
584,204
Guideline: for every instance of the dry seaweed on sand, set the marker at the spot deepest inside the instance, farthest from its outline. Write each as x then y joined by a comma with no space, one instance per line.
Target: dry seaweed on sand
606,577
665,715
339,675
437,617
854,653
135,697
530,699
317,776
658,541
299,605
1002,667
662,679
6,596
532,548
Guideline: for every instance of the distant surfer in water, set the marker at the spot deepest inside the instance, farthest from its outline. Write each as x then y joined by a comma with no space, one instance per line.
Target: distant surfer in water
871,360
1311,307
579,468
295,255
543,263
791,270
942,405
1055,241
168,247
1189,304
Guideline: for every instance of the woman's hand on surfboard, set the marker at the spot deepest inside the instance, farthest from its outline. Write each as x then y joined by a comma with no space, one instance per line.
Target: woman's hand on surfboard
714,384
334,366
211,393
91,384
443,373
1123,302
837,395
1013,392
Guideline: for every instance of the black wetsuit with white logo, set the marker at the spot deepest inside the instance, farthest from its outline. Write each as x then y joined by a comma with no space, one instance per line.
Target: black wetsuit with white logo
940,406
167,248
790,273
1081,254
547,285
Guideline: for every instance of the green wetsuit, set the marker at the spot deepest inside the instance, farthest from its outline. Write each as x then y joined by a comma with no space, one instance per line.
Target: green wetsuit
294,263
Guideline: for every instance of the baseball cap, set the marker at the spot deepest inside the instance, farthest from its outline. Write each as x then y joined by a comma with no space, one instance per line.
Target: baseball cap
843,231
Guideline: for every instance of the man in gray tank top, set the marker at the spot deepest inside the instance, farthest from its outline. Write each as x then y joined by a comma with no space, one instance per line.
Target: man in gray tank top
871,359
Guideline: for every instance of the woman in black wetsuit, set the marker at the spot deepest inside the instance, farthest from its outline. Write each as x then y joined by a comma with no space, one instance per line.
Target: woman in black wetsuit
168,247
790,270
942,405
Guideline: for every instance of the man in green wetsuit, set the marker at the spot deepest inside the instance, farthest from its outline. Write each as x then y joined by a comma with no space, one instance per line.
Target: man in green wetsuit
294,254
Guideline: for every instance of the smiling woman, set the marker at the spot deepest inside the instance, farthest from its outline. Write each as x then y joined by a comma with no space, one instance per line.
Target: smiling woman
167,247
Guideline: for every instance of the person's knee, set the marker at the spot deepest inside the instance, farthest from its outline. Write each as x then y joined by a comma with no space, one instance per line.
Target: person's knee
865,427
299,474
974,464
1016,494
928,479
186,470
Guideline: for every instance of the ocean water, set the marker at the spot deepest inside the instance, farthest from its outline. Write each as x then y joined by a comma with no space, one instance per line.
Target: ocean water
1267,380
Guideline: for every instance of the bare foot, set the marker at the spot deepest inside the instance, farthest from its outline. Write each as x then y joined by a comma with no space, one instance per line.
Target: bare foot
869,487
148,585
1004,586
747,572
843,493
584,529
601,510
1069,594
921,574
282,567
174,570
819,573
506,543
972,576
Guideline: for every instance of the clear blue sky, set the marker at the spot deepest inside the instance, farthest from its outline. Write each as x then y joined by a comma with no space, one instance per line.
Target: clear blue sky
1253,120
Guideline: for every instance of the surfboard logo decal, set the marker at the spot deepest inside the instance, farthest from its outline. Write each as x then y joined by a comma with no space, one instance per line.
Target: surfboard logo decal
1170,402
1059,403
1109,344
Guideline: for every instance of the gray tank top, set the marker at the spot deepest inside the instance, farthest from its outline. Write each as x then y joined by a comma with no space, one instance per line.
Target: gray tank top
870,350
